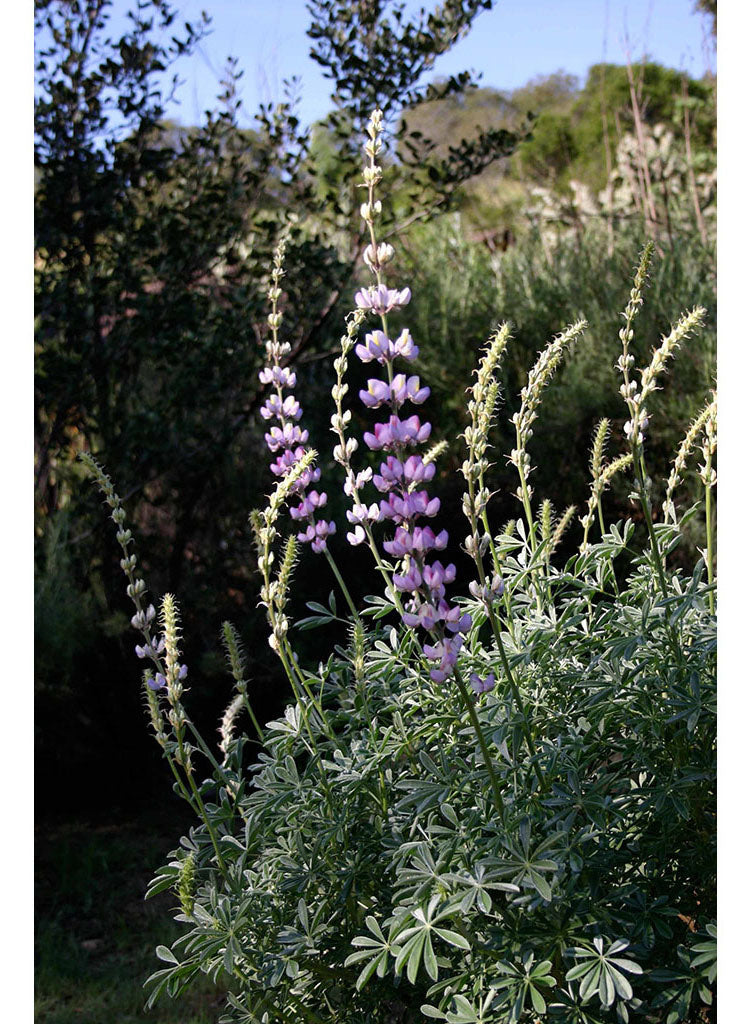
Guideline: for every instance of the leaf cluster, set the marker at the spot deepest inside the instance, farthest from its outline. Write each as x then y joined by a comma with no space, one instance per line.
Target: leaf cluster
409,891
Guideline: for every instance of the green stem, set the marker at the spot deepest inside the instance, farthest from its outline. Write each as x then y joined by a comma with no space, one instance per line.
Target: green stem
519,703
342,584
304,713
251,714
205,749
185,792
616,589
710,548
641,475
483,745
499,643
316,701
486,524
600,517
209,826
525,492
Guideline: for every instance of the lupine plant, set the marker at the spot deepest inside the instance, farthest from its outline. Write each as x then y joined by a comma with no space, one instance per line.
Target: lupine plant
490,806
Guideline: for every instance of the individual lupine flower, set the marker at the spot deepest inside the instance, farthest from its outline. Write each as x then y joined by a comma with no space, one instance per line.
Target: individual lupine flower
289,458
416,471
488,594
423,614
436,575
316,535
310,502
288,408
409,505
446,653
419,540
364,514
159,682
480,685
413,471
400,390
380,348
405,389
356,481
285,437
643,423
378,392
397,433
392,473
357,536
411,581
378,256
282,376
382,299
150,650
143,618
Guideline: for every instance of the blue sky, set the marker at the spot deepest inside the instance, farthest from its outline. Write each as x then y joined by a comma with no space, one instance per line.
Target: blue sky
510,44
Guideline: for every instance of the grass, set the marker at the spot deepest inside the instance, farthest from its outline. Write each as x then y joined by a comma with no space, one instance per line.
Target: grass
95,933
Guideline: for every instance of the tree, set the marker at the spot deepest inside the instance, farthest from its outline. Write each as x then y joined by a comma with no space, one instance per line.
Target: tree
708,7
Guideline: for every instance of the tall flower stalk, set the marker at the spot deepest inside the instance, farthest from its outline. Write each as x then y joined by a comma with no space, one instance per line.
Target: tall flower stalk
403,475
481,407
602,477
635,394
678,468
166,675
288,438
539,377
709,479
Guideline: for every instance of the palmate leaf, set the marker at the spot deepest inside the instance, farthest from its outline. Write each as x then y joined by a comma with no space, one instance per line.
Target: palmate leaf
415,943
681,985
524,867
462,1011
706,959
520,983
601,972
375,952
477,886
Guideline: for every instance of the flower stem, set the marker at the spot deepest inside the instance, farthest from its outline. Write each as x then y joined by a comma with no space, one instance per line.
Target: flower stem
710,549
342,584
483,745
641,476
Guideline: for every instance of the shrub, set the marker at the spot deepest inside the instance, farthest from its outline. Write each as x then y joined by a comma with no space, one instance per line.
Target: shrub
494,808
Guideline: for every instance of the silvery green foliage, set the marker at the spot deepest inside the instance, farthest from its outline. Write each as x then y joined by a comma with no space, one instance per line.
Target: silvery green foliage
399,850
588,899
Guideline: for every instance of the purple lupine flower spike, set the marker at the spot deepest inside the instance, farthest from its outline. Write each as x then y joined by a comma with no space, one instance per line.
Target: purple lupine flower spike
402,473
399,476
287,438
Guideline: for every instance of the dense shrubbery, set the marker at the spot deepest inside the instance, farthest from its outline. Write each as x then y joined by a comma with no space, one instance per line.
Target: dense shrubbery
498,808
461,290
